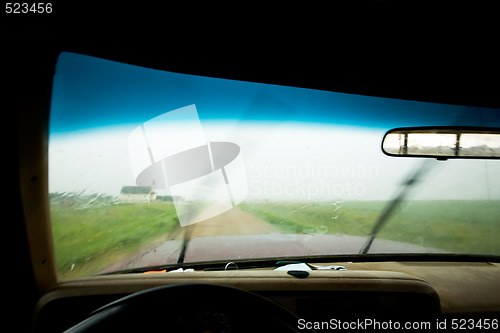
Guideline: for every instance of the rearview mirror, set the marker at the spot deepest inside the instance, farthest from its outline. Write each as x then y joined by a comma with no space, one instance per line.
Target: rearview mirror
443,142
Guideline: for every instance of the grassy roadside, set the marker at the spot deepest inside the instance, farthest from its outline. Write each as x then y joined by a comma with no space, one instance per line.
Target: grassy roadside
457,226
88,238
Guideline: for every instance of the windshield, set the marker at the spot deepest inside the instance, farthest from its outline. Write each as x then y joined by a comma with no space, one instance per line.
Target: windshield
150,168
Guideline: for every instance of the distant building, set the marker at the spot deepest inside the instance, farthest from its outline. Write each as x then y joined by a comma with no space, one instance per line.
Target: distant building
137,194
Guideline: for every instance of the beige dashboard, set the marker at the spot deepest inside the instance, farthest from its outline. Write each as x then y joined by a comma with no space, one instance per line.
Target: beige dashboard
465,289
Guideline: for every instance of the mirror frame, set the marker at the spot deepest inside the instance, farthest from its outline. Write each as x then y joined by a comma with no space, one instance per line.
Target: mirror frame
441,130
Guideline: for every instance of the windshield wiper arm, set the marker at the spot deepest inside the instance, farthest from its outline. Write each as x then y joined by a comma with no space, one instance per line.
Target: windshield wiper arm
389,209
185,241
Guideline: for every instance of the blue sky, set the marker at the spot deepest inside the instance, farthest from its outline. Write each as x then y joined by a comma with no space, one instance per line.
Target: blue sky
92,92
295,143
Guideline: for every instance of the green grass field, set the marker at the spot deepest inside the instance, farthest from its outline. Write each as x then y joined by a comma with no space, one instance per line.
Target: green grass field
89,239
90,235
456,226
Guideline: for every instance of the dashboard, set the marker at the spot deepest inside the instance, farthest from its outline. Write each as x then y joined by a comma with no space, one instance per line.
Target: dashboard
369,293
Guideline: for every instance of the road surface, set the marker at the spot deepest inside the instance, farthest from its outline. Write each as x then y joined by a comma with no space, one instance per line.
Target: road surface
232,222
237,234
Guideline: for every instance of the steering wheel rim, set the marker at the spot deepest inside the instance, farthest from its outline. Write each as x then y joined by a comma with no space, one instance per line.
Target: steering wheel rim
191,308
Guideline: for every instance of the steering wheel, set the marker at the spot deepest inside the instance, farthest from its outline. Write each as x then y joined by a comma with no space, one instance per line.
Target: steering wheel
190,308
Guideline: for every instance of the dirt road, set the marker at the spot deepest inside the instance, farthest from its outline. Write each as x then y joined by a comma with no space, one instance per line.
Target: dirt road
166,251
233,222
237,234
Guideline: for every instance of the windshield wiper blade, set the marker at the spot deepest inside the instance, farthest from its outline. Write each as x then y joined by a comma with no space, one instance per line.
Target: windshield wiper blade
389,209
185,241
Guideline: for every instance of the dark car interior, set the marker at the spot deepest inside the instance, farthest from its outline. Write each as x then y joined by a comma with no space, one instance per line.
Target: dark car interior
378,50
